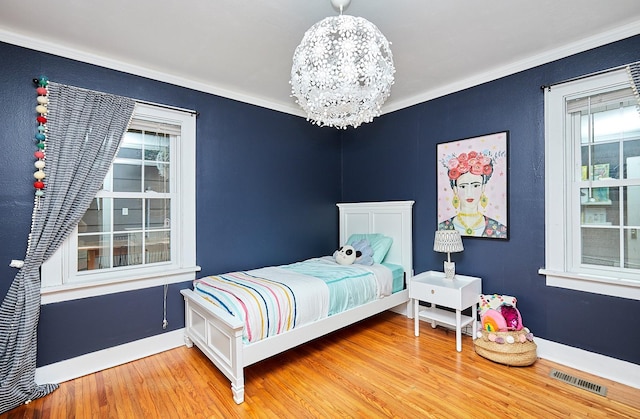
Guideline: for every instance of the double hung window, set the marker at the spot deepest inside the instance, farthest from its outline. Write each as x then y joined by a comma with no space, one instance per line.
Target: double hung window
139,230
593,186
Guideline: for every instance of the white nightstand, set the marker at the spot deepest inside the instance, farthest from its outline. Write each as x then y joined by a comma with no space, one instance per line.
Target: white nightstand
460,293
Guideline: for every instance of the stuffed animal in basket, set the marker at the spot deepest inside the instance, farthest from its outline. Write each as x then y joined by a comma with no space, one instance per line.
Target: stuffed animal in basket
502,337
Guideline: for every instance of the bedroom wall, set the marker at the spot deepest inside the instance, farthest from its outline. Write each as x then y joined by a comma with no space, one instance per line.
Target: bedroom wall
399,151
266,191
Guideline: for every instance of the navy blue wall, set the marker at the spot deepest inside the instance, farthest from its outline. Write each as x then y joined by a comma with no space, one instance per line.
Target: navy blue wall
399,149
266,192
268,183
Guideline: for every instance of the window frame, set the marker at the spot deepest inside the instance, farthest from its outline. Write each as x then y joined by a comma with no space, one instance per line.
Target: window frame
560,253
62,266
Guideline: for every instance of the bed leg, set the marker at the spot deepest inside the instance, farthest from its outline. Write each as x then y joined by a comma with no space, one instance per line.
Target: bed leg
188,342
238,393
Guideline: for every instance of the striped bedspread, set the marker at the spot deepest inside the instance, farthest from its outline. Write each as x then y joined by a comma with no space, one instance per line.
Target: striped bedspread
273,300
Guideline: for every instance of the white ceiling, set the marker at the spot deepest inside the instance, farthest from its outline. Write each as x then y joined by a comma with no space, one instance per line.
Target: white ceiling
242,49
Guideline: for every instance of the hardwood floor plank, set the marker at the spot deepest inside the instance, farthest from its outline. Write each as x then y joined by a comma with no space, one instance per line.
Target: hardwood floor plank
376,368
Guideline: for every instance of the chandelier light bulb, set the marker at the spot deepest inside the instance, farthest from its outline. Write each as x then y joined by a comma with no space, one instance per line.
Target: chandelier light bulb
342,72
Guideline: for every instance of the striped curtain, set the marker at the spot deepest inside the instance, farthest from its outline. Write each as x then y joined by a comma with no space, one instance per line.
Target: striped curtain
634,77
84,129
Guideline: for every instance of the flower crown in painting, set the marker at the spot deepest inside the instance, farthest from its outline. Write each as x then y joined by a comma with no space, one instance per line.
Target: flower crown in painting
474,162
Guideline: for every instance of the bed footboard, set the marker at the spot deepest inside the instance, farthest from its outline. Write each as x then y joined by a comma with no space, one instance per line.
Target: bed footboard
219,337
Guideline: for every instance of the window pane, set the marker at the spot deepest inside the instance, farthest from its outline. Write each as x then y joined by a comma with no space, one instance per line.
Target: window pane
131,145
127,177
93,252
127,214
632,159
632,248
157,156
600,246
158,247
600,162
632,207
156,177
158,213
97,218
127,249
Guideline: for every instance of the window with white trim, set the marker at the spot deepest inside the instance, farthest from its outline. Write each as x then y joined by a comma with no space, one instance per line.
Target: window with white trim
139,230
592,156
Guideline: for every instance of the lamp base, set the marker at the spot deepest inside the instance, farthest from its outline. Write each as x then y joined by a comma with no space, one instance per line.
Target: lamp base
449,270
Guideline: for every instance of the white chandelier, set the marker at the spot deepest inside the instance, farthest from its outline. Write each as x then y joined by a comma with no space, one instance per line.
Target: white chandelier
342,70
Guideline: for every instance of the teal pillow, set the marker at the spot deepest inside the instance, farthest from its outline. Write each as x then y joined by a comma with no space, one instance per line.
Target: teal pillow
379,243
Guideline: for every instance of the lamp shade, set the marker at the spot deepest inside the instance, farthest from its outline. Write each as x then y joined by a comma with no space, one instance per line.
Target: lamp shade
448,241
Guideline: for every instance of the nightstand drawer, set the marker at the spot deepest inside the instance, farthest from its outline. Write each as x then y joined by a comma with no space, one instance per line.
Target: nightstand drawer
449,297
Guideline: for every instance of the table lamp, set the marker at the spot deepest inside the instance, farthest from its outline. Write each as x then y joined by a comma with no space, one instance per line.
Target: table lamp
448,241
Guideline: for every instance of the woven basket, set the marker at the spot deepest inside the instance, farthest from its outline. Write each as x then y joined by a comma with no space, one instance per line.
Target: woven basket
517,354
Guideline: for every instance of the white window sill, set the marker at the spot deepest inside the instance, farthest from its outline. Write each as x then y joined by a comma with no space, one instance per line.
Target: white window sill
76,291
615,287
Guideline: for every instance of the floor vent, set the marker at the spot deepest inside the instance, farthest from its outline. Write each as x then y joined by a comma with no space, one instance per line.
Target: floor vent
579,382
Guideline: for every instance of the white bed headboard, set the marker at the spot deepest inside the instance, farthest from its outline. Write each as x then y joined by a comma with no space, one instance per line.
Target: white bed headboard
392,218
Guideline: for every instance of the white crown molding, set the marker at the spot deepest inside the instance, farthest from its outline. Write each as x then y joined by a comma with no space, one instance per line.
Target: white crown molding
586,44
604,38
74,54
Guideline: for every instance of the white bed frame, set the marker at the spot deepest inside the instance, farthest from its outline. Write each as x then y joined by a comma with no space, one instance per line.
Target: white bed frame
219,335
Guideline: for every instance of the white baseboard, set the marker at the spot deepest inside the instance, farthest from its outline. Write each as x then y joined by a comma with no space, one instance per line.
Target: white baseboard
108,358
613,369
603,366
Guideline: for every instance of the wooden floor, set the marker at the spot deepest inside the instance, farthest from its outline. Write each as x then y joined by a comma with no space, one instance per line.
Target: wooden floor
377,368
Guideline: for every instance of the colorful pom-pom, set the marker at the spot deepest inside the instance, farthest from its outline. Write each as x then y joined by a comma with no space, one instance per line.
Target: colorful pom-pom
40,136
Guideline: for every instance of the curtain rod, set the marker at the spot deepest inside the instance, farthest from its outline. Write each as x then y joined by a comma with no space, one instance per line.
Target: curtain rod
162,105
608,70
144,102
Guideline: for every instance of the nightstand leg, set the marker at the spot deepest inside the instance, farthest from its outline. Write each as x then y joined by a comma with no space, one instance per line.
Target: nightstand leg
416,319
458,331
474,313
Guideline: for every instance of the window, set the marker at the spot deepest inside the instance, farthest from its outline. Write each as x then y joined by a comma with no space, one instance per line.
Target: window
593,186
139,230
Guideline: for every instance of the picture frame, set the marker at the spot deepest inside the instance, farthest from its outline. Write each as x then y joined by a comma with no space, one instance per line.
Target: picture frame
472,186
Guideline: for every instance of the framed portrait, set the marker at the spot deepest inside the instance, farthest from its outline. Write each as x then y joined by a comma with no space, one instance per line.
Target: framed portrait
473,185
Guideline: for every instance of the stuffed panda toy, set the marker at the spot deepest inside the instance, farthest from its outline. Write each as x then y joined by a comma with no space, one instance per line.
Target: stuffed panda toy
346,255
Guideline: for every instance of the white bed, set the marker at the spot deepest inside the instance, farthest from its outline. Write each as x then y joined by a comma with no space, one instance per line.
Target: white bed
219,335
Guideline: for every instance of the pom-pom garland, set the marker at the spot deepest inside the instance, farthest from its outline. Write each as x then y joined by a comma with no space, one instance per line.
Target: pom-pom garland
41,134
